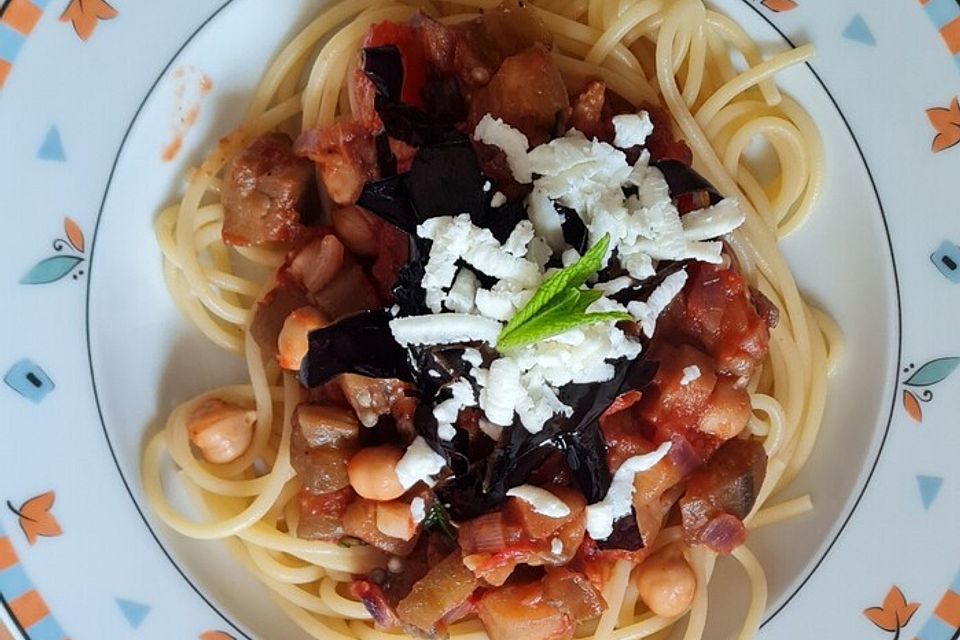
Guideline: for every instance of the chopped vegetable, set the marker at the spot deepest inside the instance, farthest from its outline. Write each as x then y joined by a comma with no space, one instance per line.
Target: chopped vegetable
360,521
346,157
721,494
321,442
528,93
520,611
269,194
443,178
361,344
321,515
519,453
570,590
445,587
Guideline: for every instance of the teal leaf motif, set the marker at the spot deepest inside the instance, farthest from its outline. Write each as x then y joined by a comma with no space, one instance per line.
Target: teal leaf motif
932,372
51,270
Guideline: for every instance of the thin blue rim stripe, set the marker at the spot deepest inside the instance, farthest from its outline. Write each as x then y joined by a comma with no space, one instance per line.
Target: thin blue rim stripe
46,629
942,11
10,42
935,629
14,582
955,585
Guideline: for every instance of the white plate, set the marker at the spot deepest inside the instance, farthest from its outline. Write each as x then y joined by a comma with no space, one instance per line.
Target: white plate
95,353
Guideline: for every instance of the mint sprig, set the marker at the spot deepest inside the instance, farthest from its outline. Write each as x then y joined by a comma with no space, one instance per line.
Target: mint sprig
559,305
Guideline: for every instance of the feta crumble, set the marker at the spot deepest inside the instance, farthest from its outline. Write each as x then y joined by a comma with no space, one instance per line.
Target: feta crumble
556,546
447,411
619,499
513,143
463,292
501,391
542,501
690,374
419,463
647,312
591,178
444,328
418,510
631,129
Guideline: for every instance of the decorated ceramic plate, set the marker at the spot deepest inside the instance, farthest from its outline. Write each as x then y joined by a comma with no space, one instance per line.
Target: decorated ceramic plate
167,170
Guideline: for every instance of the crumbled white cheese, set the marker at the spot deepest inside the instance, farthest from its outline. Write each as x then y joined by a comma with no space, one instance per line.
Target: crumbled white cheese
618,501
495,304
500,393
462,292
498,200
646,313
690,374
545,218
631,129
447,411
539,402
539,252
490,258
395,564
513,143
493,431
451,237
456,238
446,431
444,328
556,546
519,238
472,356
569,257
542,501
616,285
579,173
419,463
581,354
589,177
714,221
418,510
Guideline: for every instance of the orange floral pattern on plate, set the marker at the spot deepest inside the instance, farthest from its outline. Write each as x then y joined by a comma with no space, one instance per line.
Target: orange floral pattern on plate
894,614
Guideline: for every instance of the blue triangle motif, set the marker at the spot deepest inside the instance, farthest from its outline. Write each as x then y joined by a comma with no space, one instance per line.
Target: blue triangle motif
52,147
929,488
134,612
858,31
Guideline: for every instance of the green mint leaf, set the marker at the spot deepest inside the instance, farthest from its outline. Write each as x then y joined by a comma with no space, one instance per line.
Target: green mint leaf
557,284
438,519
586,298
553,324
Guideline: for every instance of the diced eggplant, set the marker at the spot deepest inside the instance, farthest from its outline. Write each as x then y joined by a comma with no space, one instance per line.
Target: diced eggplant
321,515
269,194
528,93
721,494
446,586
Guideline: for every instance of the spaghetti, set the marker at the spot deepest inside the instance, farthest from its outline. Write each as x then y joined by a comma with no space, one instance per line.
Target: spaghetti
699,66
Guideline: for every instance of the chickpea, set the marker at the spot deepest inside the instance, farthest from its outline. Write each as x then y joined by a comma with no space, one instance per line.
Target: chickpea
727,411
292,343
395,520
667,583
222,431
373,473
